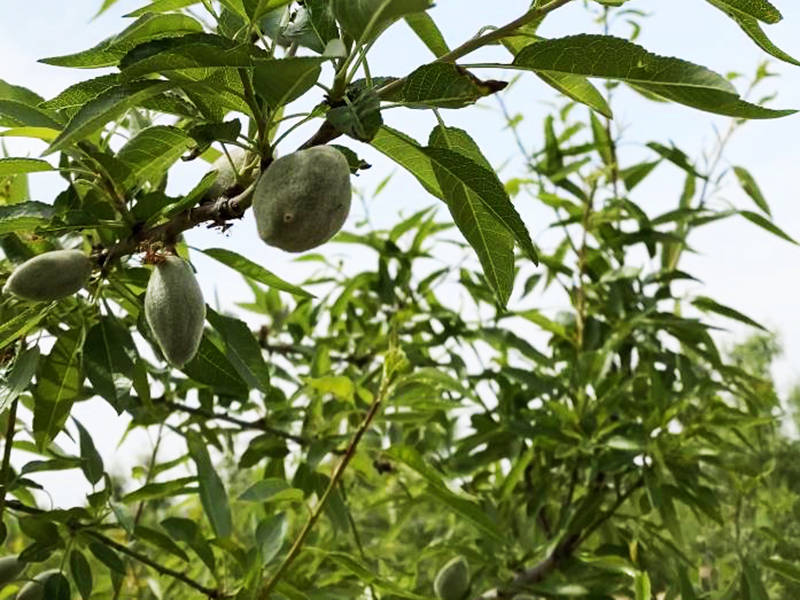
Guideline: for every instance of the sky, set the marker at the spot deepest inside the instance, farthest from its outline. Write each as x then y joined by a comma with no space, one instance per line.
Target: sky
738,263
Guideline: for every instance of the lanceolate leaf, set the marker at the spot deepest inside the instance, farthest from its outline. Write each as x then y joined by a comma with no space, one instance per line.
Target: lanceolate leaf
750,187
59,379
212,492
109,354
109,105
670,78
212,368
709,305
91,463
766,224
281,81
242,349
487,187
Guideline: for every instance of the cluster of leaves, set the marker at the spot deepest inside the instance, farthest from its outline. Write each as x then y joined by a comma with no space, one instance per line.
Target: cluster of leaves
368,435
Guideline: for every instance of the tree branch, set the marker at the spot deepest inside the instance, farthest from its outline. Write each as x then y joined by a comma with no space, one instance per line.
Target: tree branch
336,476
142,558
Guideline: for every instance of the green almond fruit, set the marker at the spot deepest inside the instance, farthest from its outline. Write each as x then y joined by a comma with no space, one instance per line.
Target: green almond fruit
303,199
50,276
175,310
34,589
226,172
10,569
452,580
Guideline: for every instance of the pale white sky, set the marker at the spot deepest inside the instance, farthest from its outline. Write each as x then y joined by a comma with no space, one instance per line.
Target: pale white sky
739,265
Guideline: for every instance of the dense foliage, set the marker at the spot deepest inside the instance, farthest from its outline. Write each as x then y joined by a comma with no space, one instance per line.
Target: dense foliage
423,428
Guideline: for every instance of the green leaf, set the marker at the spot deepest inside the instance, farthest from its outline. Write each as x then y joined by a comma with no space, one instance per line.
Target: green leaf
187,531
408,153
445,85
340,386
755,9
75,96
193,57
270,535
750,187
81,573
109,105
17,114
359,118
211,367
491,239
59,382
256,9
242,349
212,492
109,52
19,166
676,156
466,508
91,463
424,26
20,376
576,87
272,490
109,354
107,556
254,271
670,78
314,26
766,224
162,6
159,540
641,585
364,20
19,94
282,81
160,490
22,323
786,569
709,305
151,152
752,28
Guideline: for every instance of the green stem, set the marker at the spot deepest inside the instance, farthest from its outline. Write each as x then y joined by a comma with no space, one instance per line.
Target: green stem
6,466
336,477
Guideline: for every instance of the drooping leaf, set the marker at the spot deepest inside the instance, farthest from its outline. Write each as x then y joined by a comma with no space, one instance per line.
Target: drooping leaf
109,354
270,535
767,225
213,496
750,187
81,573
91,462
59,379
212,368
242,349
426,29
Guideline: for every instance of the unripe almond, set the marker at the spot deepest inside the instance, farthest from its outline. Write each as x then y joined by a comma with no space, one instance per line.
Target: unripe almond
50,276
452,580
303,199
10,568
226,172
34,589
175,310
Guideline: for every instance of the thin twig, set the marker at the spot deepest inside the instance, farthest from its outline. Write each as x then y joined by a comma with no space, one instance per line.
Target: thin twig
142,558
336,476
6,467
